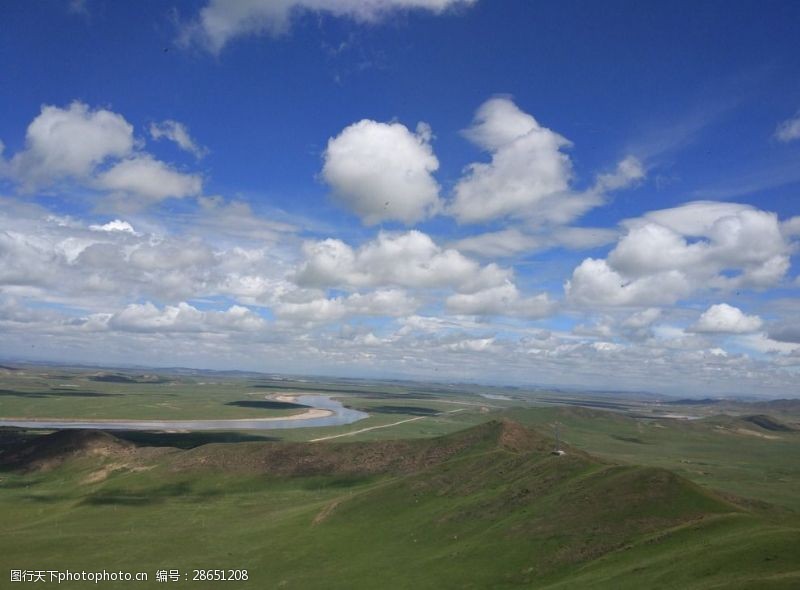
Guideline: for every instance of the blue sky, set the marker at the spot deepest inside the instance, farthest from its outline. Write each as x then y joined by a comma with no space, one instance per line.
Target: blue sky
578,194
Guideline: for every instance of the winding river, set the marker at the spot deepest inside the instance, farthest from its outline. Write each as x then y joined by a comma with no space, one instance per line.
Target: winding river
323,411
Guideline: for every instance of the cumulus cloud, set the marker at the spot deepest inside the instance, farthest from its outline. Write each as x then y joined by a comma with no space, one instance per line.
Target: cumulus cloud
666,255
415,346
63,260
69,284
527,167
791,227
145,178
601,328
503,300
159,254
764,344
529,175
24,260
695,218
411,259
95,149
788,130
638,327
383,171
384,302
595,282
316,311
726,319
69,143
183,317
178,133
222,20
673,361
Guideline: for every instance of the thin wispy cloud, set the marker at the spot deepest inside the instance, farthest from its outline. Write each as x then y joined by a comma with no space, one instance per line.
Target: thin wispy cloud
221,21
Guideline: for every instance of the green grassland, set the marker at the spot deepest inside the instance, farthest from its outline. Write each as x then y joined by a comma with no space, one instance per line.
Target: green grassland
440,487
723,453
33,393
41,392
485,507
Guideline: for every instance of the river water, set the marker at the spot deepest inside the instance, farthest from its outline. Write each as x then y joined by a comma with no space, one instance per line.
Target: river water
340,416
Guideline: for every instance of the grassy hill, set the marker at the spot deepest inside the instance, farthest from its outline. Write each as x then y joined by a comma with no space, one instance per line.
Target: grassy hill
485,507
751,455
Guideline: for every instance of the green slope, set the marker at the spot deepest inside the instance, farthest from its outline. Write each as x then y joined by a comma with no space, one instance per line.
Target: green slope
727,453
488,507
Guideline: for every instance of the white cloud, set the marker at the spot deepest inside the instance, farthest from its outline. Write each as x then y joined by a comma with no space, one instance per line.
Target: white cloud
695,218
238,220
428,325
705,239
635,328
791,227
184,317
601,328
505,242
179,134
410,259
594,282
766,345
69,143
387,303
316,311
642,319
528,181
96,149
156,254
503,300
726,319
458,347
145,178
383,302
479,345
527,167
382,171
529,175
629,171
55,268
511,241
115,225
667,255
222,20
63,260
651,248
25,260
606,346
788,130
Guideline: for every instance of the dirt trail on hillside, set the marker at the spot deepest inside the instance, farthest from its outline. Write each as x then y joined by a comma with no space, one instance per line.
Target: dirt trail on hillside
377,427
